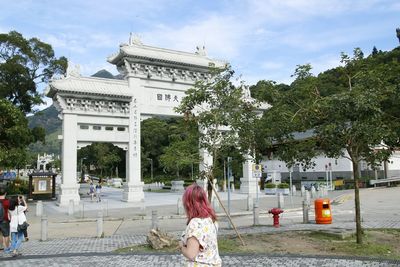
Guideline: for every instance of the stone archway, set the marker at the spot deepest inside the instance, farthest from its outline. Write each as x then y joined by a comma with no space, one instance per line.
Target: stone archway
110,110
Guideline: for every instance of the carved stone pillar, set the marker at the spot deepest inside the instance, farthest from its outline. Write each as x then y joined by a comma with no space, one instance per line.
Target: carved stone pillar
133,188
69,189
248,183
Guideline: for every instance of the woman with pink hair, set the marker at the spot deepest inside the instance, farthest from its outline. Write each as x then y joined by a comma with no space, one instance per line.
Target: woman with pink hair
199,241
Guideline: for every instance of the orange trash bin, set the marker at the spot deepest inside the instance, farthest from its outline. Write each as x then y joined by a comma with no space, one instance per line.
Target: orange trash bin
323,213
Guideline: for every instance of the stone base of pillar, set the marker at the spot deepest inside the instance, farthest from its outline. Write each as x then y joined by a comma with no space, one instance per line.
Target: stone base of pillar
133,192
67,193
248,186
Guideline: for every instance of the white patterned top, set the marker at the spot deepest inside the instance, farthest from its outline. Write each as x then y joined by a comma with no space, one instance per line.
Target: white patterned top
205,231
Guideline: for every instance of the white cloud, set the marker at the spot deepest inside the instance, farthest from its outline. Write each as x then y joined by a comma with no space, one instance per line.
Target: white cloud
325,62
271,65
295,10
69,42
221,35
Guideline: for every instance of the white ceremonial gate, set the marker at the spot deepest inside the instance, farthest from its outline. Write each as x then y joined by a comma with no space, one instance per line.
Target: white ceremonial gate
110,110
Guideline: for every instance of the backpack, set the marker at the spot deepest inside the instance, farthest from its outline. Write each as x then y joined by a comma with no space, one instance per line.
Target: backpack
1,211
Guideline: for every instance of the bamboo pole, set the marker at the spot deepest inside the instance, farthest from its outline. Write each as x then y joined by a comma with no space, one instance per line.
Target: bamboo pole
223,207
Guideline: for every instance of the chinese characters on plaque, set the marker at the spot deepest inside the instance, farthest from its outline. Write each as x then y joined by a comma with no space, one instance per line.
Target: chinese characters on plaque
135,127
168,98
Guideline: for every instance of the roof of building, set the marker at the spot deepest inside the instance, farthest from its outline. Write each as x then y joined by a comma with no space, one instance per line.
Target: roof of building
151,53
89,85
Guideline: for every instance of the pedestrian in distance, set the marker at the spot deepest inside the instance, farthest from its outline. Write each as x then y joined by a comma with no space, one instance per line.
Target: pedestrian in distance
98,192
91,191
4,219
17,219
199,244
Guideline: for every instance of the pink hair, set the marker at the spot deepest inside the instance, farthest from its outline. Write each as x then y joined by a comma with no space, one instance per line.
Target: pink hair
196,203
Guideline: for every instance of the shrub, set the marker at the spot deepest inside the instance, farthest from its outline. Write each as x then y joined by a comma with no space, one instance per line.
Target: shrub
283,185
270,185
17,187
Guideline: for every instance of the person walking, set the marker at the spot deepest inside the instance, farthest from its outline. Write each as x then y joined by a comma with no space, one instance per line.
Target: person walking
98,192
91,191
25,230
199,243
4,219
17,218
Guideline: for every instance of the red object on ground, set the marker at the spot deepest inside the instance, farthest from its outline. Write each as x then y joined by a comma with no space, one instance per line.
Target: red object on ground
275,212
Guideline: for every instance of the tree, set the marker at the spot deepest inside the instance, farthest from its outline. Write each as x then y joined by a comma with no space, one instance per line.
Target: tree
104,156
374,51
224,115
351,119
182,151
14,135
23,65
398,33
154,139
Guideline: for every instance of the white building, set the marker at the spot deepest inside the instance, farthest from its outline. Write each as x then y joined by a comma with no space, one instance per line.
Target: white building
43,161
340,168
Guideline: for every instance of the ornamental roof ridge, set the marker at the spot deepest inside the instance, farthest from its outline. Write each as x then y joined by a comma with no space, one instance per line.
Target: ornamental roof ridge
107,80
89,85
164,54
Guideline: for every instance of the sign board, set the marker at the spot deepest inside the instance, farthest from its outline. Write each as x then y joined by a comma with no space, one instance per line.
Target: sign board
257,170
42,185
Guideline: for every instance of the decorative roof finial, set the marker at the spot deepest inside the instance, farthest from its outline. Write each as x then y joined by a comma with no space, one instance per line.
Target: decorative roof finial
246,92
134,39
201,51
74,71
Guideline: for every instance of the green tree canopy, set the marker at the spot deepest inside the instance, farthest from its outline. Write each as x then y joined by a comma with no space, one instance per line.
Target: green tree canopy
15,135
350,111
223,113
23,65
183,150
104,156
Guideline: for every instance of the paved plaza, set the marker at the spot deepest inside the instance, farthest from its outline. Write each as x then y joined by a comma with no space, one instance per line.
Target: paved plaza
72,242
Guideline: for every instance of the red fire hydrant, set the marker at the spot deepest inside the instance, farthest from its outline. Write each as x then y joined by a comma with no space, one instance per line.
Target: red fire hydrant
275,212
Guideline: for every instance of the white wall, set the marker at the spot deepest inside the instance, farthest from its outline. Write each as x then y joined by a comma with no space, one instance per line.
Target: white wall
340,164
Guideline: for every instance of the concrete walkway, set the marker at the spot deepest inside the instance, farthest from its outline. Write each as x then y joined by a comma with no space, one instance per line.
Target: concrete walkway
72,243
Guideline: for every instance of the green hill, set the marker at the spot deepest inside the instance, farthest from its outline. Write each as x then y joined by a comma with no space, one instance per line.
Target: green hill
48,119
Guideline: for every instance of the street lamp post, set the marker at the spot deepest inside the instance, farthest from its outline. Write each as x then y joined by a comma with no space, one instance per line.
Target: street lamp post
331,180
82,171
327,175
192,171
151,168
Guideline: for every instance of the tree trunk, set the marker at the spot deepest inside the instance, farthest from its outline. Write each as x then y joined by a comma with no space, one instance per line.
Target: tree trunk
357,203
209,190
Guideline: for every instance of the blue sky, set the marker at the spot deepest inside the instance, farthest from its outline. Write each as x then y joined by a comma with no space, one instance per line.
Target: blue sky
261,39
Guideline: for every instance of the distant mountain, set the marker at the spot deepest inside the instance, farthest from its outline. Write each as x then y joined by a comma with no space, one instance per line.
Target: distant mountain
46,118
104,74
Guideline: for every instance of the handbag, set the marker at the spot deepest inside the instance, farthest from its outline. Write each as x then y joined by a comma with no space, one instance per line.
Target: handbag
21,227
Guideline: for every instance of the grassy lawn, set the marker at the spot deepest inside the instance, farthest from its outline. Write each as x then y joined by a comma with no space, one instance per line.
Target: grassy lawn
378,243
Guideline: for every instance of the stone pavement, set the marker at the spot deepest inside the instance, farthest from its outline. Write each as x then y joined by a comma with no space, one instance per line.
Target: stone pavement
173,260
74,244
